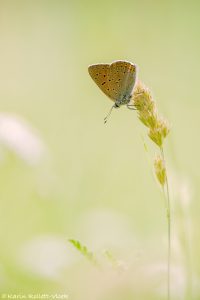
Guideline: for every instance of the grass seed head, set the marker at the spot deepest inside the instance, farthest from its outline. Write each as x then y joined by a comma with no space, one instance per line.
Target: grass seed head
160,170
148,114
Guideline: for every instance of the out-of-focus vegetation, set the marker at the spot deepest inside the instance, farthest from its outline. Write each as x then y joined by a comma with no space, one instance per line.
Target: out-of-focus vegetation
64,174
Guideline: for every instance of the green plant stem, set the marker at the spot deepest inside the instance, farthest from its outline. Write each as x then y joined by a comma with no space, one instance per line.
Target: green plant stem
169,228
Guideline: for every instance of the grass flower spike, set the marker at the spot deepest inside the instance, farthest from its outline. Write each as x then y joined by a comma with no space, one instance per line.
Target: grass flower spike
158,129
148,114
160,170
159,132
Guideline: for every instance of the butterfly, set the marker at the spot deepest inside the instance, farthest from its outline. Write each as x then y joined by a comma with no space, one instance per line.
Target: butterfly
116,80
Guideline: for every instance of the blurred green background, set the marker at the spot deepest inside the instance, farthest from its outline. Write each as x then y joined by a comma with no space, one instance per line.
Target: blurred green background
64,174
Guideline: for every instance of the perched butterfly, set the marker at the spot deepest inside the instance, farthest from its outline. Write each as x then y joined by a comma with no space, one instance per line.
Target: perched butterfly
116,80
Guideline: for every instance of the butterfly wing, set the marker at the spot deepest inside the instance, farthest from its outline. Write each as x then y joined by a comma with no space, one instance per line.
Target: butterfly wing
122,77
99,74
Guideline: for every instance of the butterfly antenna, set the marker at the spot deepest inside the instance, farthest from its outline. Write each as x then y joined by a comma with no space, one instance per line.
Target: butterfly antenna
108,115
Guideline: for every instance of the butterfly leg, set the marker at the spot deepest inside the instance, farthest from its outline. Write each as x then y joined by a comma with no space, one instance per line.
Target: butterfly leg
131,106
108,115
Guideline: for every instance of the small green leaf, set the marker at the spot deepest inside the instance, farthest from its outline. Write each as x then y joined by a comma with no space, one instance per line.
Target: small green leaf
84,251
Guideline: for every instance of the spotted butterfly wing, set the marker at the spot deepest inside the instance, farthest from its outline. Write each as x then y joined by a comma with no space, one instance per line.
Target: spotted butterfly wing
122,77
99,74
116,80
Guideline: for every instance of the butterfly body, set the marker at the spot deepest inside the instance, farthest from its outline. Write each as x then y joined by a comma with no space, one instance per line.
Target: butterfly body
116,80
125,99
